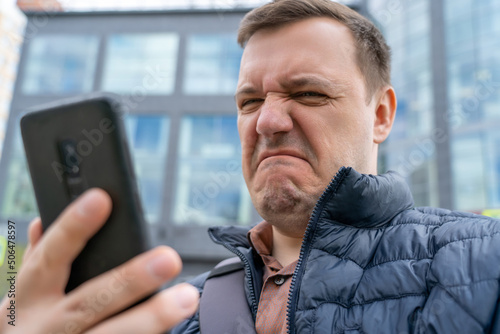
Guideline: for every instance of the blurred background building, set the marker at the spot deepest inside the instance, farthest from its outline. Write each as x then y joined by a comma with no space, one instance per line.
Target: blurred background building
446,71
176,69
12,22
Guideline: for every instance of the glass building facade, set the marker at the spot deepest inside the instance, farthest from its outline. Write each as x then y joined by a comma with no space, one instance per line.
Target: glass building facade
53,70
130,56
446,72
408,31
473,69
12,24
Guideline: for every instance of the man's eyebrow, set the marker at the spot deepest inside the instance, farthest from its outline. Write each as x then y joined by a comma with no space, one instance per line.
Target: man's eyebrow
303,81
245,91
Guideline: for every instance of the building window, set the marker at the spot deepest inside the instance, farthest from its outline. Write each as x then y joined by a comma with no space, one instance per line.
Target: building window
61,64
148,138
210,189
141,64
469,185
212,64
19,198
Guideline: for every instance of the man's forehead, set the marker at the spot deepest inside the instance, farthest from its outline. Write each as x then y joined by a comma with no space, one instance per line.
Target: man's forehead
313,27
304,43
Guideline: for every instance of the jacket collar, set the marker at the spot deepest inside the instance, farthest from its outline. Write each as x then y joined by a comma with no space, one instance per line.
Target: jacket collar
354,199
365,201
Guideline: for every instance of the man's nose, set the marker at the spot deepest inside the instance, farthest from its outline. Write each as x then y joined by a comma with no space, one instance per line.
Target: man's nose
274,117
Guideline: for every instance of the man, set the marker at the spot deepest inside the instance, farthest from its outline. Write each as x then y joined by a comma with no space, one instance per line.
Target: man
313,96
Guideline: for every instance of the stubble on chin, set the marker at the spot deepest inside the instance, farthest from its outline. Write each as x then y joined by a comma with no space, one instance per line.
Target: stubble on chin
286,207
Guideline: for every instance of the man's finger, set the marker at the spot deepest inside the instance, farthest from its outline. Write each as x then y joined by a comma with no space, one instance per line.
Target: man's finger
49,263
67,236
119,288
160,313
35,232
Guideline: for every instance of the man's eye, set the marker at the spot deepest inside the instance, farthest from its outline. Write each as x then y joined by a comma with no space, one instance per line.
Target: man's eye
310,94
250,101
310,98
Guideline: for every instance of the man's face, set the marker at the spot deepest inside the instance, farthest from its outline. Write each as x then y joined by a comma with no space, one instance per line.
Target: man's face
302,114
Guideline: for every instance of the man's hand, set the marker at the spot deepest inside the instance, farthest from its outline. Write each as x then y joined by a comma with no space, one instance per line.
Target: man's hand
42,307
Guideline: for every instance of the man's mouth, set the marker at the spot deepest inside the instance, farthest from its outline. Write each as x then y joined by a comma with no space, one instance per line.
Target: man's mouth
277,153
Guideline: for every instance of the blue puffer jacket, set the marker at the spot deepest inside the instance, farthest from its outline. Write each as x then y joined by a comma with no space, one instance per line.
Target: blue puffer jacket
371,263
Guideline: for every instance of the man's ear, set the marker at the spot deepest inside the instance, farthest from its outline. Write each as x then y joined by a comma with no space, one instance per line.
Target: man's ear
384,114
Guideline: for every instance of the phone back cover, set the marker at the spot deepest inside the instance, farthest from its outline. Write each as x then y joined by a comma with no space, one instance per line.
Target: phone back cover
103,161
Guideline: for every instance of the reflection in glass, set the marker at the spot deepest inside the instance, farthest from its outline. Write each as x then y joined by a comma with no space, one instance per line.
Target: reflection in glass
141,64
148,139
473,79
210,188
468,169
61,64
19,198
212,64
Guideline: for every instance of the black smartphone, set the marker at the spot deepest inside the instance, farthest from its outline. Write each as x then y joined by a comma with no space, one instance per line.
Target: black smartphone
75,145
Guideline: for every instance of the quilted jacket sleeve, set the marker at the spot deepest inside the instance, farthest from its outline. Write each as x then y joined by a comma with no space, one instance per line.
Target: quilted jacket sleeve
464,279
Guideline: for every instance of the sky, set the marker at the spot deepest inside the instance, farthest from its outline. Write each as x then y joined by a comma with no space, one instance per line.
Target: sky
151,4
76,5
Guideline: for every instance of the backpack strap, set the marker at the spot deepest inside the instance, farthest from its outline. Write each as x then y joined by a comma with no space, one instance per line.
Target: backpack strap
223,306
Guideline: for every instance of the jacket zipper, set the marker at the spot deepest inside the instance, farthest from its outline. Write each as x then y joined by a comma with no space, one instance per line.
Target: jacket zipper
306,247
246,263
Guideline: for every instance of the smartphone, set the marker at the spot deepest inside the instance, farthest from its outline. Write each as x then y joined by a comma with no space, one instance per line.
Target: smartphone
75,145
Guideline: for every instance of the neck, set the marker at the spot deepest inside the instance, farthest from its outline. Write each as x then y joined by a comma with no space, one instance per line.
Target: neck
286,249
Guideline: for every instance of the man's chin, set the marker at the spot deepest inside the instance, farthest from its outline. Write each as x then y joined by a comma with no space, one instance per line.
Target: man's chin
286,210
282,197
